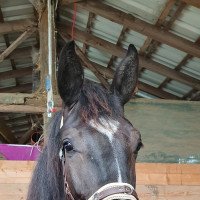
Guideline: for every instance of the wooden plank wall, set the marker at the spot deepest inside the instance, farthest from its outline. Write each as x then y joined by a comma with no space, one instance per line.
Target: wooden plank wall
170,130
154,181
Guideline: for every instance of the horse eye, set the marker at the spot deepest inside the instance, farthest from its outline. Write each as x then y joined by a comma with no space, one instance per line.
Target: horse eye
139,146
67,145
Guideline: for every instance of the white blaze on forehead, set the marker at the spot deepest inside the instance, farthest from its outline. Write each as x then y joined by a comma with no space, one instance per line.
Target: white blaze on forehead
106,127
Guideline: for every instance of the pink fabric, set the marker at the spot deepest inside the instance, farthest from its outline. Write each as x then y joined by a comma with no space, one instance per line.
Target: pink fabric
19,152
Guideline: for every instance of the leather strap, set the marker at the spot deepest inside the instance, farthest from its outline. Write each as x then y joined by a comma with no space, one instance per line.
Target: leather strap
115,191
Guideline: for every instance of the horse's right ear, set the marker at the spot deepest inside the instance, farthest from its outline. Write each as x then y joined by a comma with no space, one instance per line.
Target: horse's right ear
70,74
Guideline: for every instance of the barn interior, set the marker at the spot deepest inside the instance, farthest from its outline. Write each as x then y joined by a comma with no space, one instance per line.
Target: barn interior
166,34
165,106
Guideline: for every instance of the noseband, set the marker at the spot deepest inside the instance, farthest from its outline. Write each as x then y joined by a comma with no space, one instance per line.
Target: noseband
107,192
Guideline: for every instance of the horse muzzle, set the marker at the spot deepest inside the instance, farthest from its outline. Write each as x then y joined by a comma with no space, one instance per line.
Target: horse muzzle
115,191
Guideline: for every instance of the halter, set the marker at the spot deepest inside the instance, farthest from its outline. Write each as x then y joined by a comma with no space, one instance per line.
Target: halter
109,191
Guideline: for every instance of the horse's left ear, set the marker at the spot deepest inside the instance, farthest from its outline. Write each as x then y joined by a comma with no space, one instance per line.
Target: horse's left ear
70,74
126,75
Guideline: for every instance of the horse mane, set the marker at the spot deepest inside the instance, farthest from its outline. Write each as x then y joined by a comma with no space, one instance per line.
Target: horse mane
47,180
96,101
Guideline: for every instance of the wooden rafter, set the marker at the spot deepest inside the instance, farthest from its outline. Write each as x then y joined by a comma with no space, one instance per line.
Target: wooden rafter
16,73
16,43
19,53
16,26
22,109
88,29
6,38
178,68
195,3
121,36
71,1
189,94
120,52
169,5
20,126
108,73
89,64
166,26
195,96
140,26
25,119
155,91
19,88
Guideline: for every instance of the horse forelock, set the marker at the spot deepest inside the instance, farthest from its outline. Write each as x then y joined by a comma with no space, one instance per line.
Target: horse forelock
97,102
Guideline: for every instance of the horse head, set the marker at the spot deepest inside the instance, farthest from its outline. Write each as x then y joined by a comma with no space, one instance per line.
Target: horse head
96,143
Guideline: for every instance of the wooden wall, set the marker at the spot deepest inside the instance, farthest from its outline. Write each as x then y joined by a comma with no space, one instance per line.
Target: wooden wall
154,181
170,129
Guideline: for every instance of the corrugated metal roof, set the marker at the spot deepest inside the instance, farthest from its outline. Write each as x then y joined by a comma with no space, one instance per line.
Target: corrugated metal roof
187,26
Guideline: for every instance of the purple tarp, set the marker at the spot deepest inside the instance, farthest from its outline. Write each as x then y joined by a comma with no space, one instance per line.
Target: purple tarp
19,152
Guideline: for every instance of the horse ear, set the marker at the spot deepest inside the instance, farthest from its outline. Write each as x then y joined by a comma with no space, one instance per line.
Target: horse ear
70,74
126,75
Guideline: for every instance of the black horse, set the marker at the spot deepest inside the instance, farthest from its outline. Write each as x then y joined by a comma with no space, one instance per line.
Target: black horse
90,142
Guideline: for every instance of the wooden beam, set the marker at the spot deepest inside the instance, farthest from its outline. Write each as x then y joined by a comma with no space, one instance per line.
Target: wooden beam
88,29
169,5
43,58
188,95
195,3
179,66
16,26
27,118
165,71
196,96
120,52
20,126
16,73
71,1
6,38
155,91
19,53
14,98
21,109
92,67
6,133
121,36
165,26
108,73
140,26
19,88
16,43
